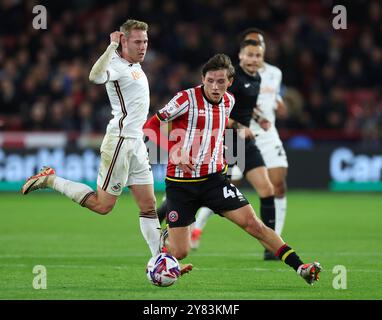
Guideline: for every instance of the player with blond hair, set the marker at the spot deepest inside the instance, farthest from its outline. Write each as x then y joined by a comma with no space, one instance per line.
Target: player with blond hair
124,160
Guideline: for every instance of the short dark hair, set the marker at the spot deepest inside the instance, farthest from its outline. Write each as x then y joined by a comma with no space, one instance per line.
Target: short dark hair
246,43
219,61
260,35
249,31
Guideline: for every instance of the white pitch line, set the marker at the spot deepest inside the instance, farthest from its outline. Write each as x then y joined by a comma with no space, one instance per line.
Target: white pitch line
120,267
127,255
278,270
65,266
71,255
192,254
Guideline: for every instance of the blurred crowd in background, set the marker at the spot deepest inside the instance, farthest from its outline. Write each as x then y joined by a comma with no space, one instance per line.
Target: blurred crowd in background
331,78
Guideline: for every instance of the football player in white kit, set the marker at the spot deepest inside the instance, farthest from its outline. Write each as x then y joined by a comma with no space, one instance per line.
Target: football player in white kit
124,159
269,102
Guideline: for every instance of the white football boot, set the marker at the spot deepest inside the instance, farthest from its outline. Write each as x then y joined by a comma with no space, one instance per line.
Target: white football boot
38,181
310,272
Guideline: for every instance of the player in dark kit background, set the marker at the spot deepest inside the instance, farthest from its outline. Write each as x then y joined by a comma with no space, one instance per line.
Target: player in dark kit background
246,88
196,166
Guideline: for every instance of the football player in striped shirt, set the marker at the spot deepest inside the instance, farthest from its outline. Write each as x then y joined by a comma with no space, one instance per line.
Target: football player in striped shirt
124,160
268,143
196,170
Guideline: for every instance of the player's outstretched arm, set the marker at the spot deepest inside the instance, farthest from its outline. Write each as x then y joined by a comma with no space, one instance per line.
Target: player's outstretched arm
98,72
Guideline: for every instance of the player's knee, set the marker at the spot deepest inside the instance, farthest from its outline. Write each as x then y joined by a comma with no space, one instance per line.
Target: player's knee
148,205
280,189
270,189
148,209
266,190
105,209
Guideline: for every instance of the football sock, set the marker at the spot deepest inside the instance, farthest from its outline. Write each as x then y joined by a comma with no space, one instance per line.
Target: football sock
203,215
280,206
287,255
161,211
267,211
150,229
78,192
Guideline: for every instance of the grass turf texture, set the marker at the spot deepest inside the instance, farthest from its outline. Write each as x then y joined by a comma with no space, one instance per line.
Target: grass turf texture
104,257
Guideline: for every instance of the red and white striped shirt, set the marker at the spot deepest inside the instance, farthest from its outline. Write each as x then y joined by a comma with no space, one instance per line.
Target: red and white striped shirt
198,126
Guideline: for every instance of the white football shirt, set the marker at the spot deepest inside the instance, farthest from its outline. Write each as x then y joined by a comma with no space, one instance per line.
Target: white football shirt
269,95
129,95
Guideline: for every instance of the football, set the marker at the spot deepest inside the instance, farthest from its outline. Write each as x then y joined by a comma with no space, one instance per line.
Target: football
163,270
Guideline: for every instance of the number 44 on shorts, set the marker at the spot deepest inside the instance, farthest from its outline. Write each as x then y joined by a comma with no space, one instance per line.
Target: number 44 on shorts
230,193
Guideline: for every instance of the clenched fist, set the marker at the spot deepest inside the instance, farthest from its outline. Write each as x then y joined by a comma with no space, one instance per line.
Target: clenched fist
116,36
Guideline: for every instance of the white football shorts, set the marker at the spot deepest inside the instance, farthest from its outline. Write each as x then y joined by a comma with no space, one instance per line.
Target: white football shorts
272,149
124,162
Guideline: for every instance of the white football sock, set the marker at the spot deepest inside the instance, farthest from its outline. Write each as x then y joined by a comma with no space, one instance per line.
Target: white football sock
150,229
73,190
203,215
280,206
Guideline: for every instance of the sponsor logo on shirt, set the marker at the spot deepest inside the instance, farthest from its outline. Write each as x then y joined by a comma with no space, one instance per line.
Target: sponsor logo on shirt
136,74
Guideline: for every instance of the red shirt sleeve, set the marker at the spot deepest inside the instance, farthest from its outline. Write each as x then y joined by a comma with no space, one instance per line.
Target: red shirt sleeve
176,107
152,130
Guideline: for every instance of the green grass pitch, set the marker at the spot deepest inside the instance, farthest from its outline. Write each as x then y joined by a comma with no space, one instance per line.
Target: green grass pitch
88,256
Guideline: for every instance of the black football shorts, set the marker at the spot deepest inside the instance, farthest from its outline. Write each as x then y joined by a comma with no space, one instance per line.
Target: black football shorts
185,198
